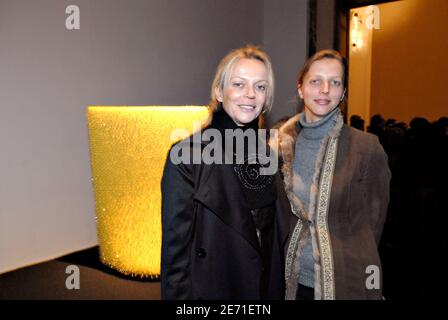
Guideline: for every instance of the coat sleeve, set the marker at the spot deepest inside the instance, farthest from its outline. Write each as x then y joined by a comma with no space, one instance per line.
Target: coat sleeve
378,184
177,228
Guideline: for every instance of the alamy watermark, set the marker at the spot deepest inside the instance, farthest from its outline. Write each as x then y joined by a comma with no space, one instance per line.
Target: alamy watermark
370,16
373,280
73,18
210,146
373,17
73,281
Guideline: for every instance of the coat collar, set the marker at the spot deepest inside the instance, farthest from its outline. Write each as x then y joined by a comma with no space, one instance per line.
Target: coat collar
287,137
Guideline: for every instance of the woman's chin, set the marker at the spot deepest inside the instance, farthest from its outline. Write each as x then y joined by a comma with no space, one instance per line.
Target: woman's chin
245,120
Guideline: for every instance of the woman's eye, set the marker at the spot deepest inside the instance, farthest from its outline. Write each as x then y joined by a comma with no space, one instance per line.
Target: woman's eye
261,88
237,84
336,83
314,81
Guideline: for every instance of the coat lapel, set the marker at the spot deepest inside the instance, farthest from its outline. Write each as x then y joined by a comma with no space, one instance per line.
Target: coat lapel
318,208
220,191
283,211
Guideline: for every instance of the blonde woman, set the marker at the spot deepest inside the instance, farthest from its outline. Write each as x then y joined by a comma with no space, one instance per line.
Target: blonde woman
224,225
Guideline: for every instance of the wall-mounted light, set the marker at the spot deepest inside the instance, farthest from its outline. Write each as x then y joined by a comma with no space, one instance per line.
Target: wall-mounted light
356,31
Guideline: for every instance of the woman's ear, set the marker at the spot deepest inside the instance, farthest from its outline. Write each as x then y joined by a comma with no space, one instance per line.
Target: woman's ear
299,91
218,94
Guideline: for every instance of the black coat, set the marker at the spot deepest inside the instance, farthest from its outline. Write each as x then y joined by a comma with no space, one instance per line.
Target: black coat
210,248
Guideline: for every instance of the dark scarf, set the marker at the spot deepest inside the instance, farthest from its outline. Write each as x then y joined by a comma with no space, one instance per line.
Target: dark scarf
258,189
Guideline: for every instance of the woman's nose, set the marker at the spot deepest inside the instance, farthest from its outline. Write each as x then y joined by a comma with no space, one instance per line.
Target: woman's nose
250,92
324,87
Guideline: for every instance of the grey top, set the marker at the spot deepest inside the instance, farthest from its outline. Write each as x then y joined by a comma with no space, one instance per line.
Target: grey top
307,147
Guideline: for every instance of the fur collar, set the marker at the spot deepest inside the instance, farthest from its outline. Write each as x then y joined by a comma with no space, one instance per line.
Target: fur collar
287,137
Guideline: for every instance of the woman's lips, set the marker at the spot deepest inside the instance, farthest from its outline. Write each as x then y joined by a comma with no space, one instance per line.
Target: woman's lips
322,102
247,107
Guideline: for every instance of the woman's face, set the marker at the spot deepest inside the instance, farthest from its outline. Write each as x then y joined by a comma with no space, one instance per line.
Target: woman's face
244,95
322,88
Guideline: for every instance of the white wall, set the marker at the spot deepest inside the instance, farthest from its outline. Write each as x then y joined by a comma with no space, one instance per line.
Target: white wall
135,52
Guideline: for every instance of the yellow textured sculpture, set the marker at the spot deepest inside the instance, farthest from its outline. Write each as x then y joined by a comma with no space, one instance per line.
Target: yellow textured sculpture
128,149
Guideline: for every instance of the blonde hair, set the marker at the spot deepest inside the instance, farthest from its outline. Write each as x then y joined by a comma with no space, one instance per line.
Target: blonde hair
224,70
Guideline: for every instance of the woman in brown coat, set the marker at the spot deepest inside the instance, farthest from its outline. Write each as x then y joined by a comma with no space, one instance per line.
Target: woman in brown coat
337,181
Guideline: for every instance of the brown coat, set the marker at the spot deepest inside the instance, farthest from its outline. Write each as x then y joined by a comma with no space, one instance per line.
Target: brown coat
348,206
